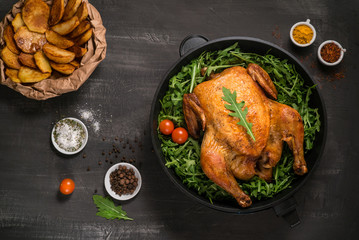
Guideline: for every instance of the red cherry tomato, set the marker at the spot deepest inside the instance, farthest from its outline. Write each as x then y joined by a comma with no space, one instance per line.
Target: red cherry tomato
166,127
67,186
180,135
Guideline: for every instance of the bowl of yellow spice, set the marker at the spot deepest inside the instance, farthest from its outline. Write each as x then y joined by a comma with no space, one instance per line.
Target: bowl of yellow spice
303,34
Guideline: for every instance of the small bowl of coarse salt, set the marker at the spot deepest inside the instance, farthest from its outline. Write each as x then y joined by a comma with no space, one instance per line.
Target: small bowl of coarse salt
69,136
123,181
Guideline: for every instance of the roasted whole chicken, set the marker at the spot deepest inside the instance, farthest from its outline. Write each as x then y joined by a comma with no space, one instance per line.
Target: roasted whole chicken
227,151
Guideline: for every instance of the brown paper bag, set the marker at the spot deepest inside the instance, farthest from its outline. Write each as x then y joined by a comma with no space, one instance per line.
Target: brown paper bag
58,84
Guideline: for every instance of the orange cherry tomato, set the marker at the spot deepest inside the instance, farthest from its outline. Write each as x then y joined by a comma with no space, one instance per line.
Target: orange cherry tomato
180,135
67,186
166,127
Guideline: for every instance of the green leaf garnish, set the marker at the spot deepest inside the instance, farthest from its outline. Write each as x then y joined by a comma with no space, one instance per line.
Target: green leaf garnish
236,109
107,209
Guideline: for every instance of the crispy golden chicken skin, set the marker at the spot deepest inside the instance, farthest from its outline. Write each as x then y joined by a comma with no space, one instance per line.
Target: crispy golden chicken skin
227,151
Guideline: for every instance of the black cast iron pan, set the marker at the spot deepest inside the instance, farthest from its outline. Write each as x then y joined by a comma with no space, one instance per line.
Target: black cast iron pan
284,203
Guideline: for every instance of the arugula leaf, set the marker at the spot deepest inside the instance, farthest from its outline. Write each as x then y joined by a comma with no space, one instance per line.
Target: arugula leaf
107,209
231,98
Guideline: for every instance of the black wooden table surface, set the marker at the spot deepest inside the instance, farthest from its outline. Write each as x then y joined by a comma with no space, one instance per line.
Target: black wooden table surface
143,39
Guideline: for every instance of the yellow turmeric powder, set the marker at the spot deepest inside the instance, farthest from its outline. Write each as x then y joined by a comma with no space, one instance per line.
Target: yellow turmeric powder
302,34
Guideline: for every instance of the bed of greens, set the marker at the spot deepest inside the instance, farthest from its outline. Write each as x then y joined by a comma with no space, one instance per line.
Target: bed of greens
185,158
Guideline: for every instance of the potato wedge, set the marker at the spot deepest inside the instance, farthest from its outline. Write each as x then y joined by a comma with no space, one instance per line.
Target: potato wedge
58,55
11,59
35,15
79,51
82,39
27,59
56,12
42,63
17,22
71,9
82,12
9,39
75,63
66,27
80,29
12,74
58,40
63,68
27,41
30,75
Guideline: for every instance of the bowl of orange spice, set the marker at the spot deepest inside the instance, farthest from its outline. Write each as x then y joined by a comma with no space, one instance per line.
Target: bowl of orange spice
330,53
303,34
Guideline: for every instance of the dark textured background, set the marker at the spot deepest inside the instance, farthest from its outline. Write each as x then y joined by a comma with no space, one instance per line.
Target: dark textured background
143,39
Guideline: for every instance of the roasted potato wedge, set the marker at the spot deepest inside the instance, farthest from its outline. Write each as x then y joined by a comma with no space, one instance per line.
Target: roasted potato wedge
82,12
30,75
80,29
58,55
75,63
83,38
12,74
11,59
79,51
27,59
56,12
35,15
66,27
63,68
17,22
58,40
27,41
71,9
42,63
9,39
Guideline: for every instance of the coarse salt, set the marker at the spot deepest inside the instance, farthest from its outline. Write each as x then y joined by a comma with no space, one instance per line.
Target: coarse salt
69,135
96,126
89,116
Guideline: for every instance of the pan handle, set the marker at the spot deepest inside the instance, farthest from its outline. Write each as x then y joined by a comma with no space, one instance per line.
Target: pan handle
190,42
287,210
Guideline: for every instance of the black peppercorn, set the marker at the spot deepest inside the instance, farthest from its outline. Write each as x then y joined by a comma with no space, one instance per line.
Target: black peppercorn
123,181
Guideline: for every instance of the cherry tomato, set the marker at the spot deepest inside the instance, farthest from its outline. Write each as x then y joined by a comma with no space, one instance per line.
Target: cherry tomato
180,135
166,127
67,186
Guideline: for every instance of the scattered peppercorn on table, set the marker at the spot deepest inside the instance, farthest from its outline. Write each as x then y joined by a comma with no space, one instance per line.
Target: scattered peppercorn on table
143,38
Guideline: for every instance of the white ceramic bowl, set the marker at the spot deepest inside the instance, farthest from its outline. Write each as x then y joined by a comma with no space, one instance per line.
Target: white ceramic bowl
307,23
342,51
63,151
108,184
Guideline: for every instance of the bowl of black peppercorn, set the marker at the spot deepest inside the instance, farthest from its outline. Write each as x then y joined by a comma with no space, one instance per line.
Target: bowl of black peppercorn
123,181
